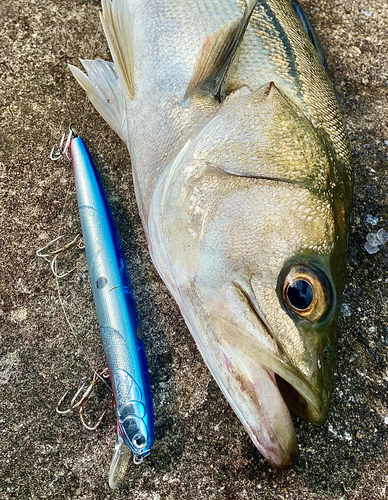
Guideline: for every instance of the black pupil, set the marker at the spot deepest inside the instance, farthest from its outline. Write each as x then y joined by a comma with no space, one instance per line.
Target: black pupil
300,294
139,441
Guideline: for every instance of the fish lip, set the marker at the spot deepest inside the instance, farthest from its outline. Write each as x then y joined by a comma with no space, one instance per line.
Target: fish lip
304,401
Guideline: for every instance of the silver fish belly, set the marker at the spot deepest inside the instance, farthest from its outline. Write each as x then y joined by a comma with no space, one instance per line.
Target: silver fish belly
243,178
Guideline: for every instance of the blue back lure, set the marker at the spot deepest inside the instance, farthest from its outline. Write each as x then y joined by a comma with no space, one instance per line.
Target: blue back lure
117,316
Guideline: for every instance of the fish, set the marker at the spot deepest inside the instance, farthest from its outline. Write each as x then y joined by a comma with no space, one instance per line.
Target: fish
243,177
117,316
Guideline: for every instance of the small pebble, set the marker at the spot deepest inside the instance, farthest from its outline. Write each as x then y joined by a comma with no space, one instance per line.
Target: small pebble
345,309
371,220
386,420
367,146
366,13
382,236
373,240
386,142
371,249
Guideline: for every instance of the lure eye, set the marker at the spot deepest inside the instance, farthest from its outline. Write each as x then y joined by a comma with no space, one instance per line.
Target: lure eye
139,441
306,293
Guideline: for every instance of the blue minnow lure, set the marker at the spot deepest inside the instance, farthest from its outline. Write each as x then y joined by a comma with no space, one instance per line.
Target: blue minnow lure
117,316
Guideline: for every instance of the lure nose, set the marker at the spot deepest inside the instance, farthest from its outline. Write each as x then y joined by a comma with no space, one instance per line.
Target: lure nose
135,435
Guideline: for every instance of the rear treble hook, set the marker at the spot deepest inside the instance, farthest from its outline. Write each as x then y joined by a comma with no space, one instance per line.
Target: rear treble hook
99,376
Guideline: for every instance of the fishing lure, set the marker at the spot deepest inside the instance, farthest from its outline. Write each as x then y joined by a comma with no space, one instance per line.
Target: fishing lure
117,315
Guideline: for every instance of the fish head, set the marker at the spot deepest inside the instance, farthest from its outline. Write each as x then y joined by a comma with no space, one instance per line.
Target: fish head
254,241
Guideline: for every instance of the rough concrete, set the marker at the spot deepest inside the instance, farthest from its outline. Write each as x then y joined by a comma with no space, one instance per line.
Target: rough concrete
201,451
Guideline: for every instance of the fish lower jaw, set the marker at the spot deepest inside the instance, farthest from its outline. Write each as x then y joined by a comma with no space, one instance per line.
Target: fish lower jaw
262,410
272,429
281,461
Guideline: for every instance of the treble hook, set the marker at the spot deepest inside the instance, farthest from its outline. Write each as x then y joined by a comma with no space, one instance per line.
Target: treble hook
99,375
45,253
64,147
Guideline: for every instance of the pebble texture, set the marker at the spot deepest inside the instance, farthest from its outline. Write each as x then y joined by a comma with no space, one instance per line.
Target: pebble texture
201,451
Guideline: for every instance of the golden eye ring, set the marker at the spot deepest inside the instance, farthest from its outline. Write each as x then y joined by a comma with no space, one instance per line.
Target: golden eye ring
304,293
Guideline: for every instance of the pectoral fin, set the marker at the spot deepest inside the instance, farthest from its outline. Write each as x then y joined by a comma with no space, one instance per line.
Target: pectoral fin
217,54
104,91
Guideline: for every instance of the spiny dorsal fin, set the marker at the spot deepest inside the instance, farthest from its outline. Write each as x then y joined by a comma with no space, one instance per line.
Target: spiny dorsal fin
117,23
217,54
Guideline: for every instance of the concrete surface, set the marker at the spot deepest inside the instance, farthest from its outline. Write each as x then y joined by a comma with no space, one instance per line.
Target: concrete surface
201,451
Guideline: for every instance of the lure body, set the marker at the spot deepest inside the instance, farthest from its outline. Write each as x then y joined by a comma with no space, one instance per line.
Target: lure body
115,307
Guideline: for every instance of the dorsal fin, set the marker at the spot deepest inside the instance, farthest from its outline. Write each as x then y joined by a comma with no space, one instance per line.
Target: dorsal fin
217,53
117,23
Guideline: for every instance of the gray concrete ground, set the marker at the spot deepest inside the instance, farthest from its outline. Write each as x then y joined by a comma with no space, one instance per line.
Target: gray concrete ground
201,451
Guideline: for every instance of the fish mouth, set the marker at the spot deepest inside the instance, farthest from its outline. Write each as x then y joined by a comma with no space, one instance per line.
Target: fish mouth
273,397
301,396
263,385
297,404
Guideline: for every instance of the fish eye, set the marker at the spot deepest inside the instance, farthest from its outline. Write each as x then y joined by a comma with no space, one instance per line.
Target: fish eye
300,294
306,292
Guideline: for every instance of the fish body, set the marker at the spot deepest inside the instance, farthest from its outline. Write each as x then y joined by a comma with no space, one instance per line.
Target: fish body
116,312
243,177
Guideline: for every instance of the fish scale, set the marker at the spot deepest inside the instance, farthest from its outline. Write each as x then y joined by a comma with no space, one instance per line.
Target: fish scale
293,67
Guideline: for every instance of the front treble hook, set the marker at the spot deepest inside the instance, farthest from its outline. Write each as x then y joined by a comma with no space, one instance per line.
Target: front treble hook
99,376
63,149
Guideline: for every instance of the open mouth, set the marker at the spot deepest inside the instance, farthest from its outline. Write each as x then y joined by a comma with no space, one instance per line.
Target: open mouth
296,403
299,396
261,382
256,398
264,400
